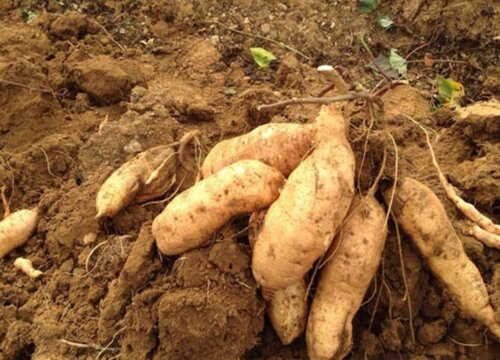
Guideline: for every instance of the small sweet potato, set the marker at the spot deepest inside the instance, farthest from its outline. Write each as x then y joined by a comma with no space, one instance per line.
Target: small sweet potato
299,227
423,217
146,176
281,146
16,229
350,264
193,216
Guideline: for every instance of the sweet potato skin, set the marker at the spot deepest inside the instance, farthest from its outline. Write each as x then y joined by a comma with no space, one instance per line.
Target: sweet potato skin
300,225
281,146
195,215
16,229
422,216
351,262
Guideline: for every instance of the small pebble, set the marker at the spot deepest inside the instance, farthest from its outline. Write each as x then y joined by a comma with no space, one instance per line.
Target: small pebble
133,147
265,28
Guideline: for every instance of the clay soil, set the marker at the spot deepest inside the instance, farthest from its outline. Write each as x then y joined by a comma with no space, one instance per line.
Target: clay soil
85,85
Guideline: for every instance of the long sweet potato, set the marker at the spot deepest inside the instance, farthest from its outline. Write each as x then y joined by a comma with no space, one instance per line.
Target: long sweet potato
193,216
281,146
423,217
300,225
16,229
351,262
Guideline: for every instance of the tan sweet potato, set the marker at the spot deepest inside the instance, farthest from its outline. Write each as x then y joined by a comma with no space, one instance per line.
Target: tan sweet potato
423,217
16,229
286,308
287,311
195,215
351,263
281,146
146,176
300,225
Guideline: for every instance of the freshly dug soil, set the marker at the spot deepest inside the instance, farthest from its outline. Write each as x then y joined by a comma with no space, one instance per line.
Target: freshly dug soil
86,85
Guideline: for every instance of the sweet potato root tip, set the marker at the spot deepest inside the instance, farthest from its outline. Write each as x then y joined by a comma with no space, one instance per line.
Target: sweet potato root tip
26,266
351,262
422,216
287,311
16,229
192,217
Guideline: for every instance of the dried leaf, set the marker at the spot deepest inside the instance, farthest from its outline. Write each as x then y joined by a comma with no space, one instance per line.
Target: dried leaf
398,62
450,92
383,63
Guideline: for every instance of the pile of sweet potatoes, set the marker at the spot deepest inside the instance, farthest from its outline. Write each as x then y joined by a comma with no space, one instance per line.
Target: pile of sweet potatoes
297,182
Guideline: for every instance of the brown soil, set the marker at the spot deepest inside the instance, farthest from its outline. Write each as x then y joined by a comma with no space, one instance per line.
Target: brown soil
85,85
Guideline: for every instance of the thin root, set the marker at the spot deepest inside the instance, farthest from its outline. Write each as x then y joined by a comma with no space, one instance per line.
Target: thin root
48,163
405,281
396,164
170,197
466,208
315,100
90,255
463,344
365,147
374,186
5,203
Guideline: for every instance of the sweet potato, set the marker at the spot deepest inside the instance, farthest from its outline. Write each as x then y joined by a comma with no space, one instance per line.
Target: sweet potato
281,146
350,264
423,217
300,225
193,216
16,229
146,176
286,308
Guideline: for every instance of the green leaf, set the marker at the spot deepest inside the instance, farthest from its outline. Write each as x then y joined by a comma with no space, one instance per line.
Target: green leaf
398,62
262,57
450,92
28,15
230,91
385,22
367,6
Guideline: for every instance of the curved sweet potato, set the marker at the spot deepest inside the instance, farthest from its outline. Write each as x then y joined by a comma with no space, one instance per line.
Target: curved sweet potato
281,146
423,217
300,225
195,215
352,261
